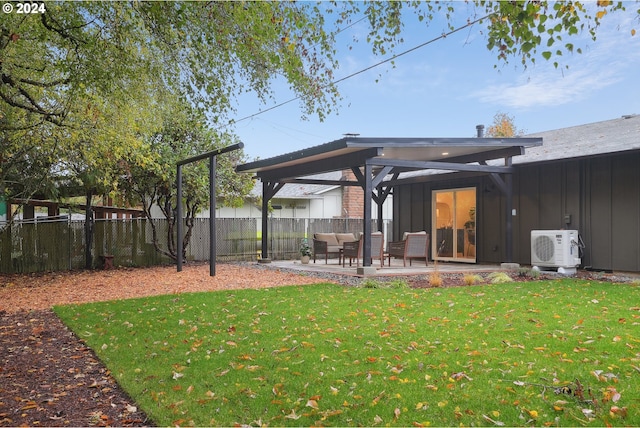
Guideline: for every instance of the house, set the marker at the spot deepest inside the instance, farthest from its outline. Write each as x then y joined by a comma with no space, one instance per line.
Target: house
480,198
323,200
585,178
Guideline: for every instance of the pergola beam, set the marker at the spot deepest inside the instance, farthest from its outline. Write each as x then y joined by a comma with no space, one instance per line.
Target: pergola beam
444,166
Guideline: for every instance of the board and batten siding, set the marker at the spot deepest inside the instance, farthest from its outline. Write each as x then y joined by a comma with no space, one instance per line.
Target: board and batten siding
599,196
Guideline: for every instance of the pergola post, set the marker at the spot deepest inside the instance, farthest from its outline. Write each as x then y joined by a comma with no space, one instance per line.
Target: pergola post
366,227
212,204
212,215
264,252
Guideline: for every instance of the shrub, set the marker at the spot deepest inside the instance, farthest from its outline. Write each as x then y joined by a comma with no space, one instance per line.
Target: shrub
398,284
370,283
528,273
435,280
499,278
470,279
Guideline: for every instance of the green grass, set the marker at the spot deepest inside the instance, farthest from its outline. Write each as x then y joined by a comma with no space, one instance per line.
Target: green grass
552,353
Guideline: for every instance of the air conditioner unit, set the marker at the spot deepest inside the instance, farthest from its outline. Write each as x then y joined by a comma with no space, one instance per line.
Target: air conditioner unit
558,249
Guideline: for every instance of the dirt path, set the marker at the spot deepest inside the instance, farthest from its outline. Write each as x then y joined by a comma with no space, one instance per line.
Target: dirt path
48,377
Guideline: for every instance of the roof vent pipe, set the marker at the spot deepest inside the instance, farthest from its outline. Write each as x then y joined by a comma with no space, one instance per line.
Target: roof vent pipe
480,130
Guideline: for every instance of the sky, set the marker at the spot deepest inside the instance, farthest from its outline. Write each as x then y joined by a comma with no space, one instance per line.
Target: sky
446,88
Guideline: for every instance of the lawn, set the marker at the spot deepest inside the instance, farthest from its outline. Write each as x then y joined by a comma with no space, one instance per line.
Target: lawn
555,353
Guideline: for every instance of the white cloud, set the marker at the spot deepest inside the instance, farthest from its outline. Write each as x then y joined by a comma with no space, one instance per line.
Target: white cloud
548,88
603,63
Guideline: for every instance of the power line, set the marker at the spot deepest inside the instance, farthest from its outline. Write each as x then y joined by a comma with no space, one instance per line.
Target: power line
442,36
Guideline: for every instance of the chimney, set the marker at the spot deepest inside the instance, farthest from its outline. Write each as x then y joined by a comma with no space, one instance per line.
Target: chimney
352,197
480,130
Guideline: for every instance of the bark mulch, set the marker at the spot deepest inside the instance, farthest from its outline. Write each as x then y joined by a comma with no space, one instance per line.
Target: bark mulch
48,377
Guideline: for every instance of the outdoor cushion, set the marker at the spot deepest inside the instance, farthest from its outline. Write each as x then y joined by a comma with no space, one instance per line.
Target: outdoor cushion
404,236
329,238
345,237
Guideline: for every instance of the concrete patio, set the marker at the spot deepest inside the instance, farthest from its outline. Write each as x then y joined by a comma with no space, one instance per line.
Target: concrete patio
396,269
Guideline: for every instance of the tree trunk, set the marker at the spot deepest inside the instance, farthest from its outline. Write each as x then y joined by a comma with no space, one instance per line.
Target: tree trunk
88,232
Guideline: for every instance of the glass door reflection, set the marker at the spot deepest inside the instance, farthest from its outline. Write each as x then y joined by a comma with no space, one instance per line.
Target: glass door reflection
454,224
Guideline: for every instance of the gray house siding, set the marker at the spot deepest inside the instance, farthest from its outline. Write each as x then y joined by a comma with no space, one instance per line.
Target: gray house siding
612,212
599,196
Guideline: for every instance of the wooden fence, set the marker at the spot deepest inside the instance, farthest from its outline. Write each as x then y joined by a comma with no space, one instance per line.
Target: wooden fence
57,246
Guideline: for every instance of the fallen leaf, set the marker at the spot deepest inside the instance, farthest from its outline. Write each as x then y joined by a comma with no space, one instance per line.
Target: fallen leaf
460,375
30,405
587,412
618,411
396,413
611,394
496,423
292,415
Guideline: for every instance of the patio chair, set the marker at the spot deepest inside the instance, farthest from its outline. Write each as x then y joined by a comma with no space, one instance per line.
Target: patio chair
414,246
354,249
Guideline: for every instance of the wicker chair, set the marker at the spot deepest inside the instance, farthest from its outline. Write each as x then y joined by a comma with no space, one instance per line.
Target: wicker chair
354,249
414,246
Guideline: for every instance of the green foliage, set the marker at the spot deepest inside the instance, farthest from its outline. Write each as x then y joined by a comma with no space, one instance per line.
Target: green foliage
305,248
528,273
525,30
499,278
370,283
150,179
398,284
346,356
85,83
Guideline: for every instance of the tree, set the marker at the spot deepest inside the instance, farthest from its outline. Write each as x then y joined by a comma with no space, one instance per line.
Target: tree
503,126
83,83
149,179
212,51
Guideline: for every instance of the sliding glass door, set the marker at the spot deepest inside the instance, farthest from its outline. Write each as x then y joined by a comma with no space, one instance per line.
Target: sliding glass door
454,225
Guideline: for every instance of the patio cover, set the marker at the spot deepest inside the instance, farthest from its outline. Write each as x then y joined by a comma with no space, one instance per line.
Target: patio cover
381,163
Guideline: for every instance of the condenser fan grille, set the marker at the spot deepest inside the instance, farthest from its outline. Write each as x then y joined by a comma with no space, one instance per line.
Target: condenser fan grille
544,247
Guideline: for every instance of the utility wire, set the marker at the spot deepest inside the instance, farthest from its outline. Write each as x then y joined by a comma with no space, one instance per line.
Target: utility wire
442,36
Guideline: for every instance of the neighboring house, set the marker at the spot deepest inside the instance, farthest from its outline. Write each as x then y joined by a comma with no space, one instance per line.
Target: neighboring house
299,200
584,177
